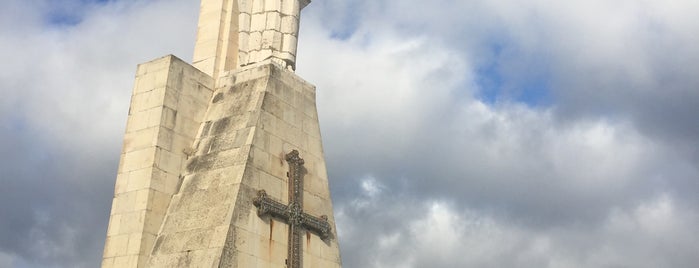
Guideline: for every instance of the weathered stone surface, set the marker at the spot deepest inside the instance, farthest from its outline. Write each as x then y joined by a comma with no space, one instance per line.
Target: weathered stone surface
201,141
169,101
252,122
236,33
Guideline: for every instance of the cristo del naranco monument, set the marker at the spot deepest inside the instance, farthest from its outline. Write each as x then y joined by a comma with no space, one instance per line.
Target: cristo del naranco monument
222,163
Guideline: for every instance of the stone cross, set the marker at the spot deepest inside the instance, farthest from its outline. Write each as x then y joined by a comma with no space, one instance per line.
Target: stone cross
236,33
293,213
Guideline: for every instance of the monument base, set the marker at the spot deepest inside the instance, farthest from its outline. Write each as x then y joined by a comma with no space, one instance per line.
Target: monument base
254,118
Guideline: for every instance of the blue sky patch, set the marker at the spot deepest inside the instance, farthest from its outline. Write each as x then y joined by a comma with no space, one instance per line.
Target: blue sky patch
69,12
496,85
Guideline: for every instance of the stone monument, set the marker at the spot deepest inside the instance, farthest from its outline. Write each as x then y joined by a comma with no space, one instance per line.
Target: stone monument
222,163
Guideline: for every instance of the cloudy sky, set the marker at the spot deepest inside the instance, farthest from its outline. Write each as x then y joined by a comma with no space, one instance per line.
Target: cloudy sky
458,133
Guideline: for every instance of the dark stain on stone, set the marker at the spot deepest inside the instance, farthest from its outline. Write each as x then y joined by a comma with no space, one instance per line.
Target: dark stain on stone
217,98
193,164
179,183
235,88
221,125
271,244
230,254
158,243
173,119
308,240
206,129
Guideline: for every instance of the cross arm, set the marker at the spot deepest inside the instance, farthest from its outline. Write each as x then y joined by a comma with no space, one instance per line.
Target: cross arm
318,225
268,206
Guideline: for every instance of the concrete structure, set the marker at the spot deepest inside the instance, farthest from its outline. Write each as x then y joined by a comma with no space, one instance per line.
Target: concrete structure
213,151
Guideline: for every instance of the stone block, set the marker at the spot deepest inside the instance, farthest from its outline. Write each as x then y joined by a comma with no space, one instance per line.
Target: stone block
150,81
243,57
126,261
140,139
275,145
279,250
169,161
289,43
263,54
161,181
314,204
149,99
260,159
279,168
274,19
139,159
167,119
289,134
273,6
274,186
217,160
246,260
255,43
153,66
244,22
113,227
132,222
116,246
124,203
134,247
269,38
315,147
292,116
218,236
142,199
243,42
205,64
152,222
258,22
143,259
121,184
258,6
290,7
108,263
313,246
193,106
289,25
268,122
137,121
310,111
245,241
159,201
274,106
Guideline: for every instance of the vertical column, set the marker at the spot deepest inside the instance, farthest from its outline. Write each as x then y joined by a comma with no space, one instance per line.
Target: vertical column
168,104
269,30
216,48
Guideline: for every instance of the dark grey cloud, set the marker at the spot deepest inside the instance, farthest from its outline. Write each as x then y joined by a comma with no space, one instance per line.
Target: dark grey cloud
565,171
53,212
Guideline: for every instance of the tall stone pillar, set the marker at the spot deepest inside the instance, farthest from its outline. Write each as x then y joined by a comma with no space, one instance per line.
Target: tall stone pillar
223,163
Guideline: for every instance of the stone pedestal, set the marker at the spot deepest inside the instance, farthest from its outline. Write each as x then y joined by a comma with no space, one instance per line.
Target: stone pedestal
204,163
169,101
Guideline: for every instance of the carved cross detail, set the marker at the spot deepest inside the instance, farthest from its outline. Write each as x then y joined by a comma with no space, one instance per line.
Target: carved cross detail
293,213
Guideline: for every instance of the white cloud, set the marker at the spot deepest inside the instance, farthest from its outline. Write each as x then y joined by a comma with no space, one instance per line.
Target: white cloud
56,69
530,175
653,234
6,260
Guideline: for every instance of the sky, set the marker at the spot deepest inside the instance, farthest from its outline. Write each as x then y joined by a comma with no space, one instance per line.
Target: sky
457,133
